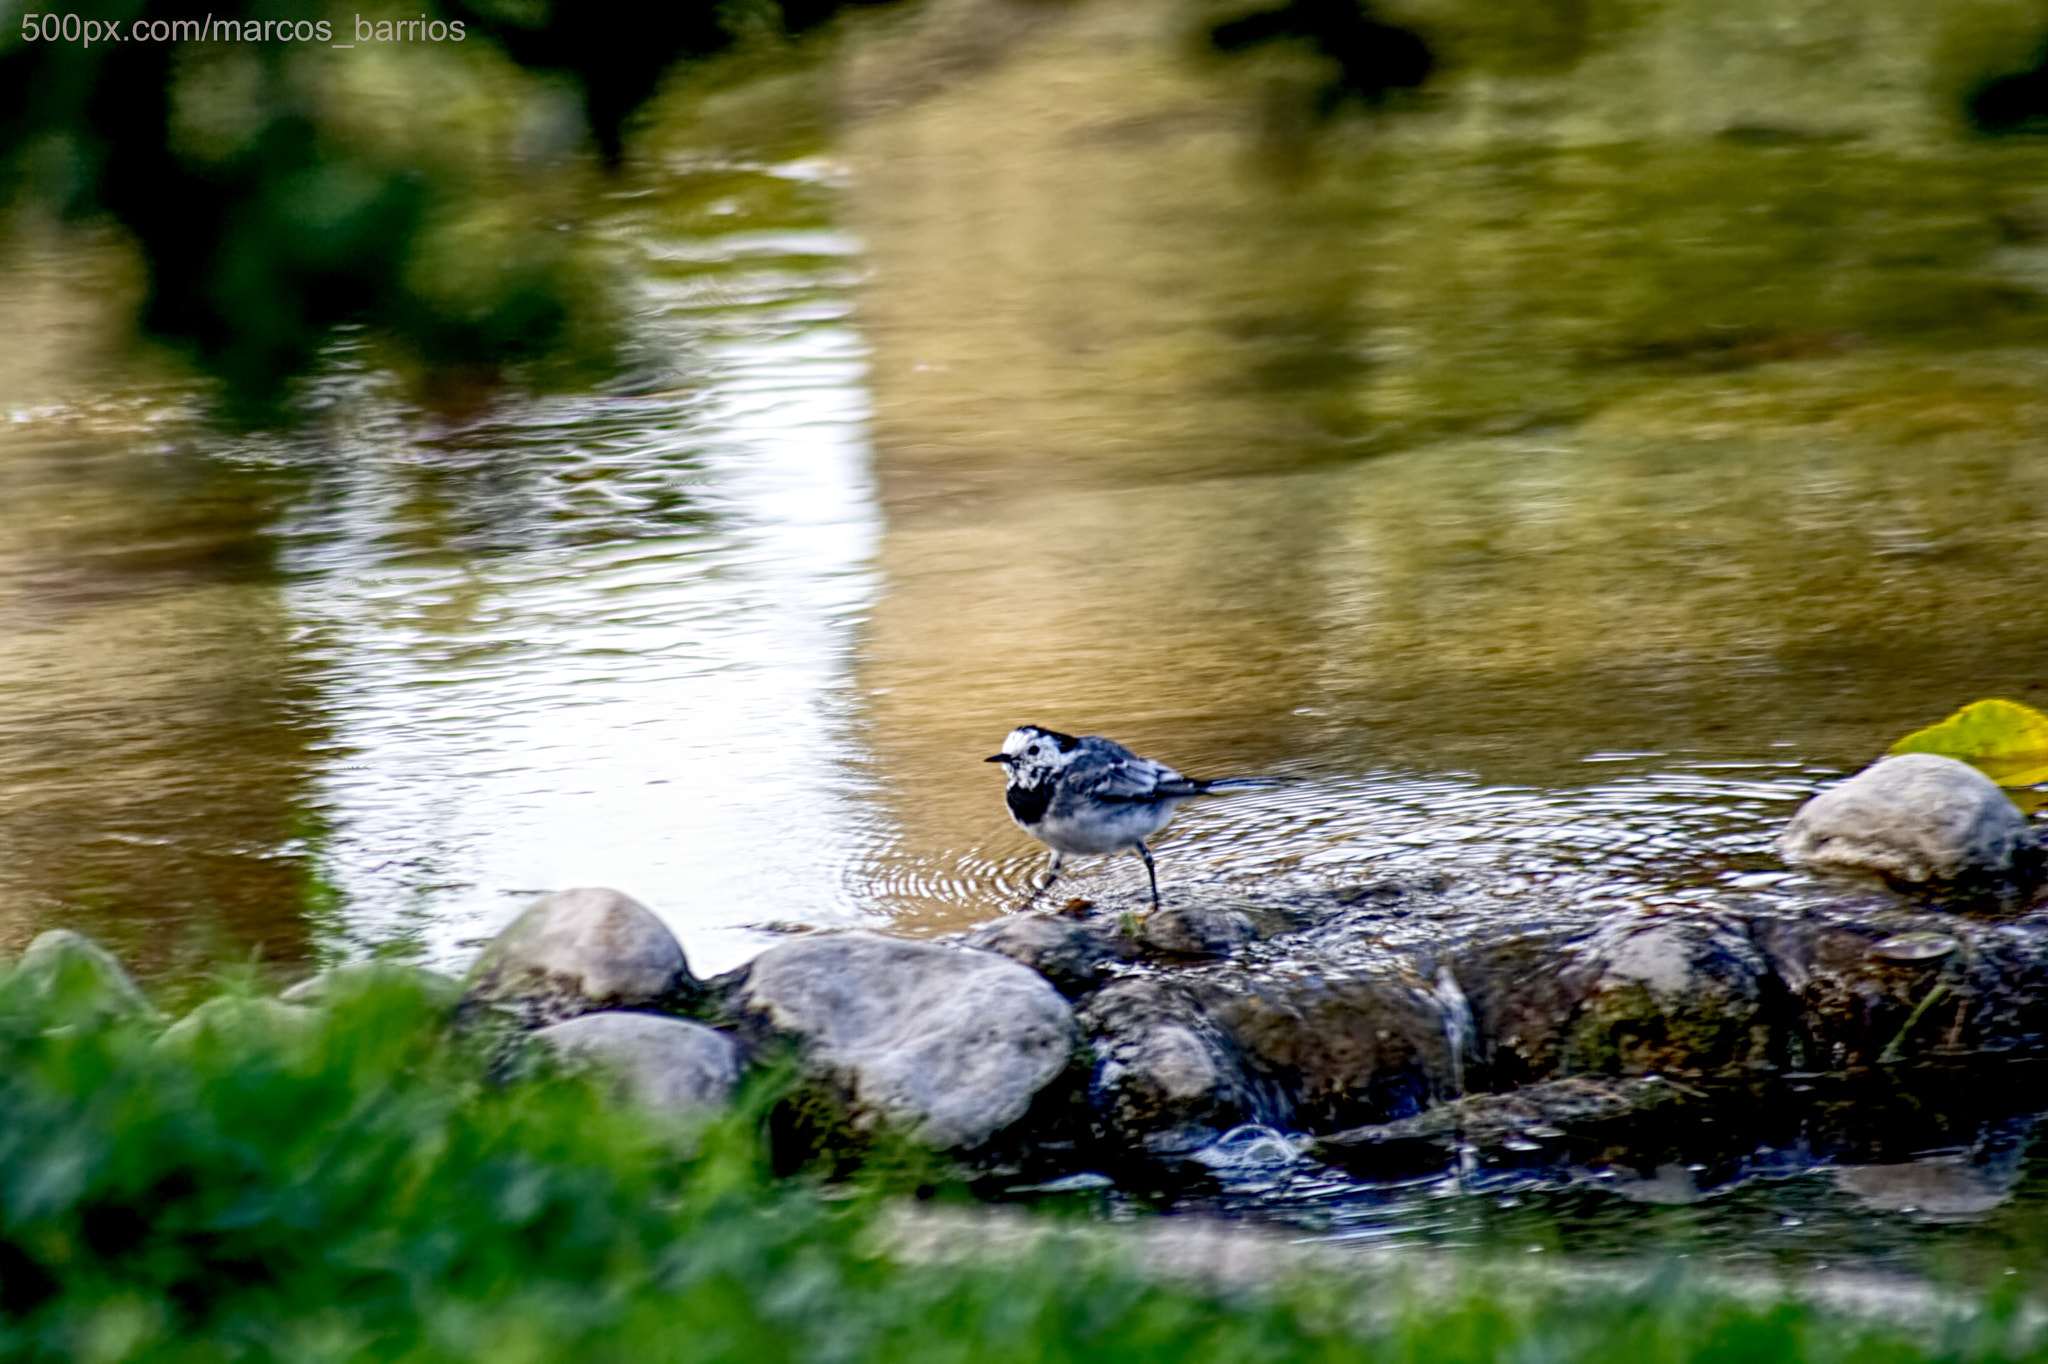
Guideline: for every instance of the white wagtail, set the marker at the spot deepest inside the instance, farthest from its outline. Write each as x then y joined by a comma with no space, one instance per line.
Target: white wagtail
1092,795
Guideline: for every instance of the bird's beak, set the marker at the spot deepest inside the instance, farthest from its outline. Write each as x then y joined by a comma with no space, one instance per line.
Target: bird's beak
997,758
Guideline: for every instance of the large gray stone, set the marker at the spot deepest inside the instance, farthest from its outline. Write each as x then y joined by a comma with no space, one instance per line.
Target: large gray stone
1917,818
72,979
357,977
668,1064
951,1043
578,951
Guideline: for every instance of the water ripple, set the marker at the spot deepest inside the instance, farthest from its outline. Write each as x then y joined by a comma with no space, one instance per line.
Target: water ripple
576,641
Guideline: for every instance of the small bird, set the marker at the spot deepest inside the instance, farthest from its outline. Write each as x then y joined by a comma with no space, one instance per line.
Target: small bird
1091,795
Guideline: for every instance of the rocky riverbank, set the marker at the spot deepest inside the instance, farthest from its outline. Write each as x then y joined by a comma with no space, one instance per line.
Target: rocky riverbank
1090,1038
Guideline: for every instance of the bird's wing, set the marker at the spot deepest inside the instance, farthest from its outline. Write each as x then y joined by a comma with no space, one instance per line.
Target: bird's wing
1127,777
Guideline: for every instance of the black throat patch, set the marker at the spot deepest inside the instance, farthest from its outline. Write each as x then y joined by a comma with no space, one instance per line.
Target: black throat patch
1027,803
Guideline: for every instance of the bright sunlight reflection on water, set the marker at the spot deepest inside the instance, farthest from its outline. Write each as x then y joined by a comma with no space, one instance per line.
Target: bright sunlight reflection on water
598,697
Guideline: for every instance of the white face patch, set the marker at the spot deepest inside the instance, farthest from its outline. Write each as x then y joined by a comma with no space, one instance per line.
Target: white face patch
1017,741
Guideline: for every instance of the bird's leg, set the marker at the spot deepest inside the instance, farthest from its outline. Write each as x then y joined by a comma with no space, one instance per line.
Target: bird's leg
1151,873
1052,874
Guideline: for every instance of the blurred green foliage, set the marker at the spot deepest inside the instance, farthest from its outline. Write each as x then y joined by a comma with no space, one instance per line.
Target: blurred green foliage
358,1187
433,190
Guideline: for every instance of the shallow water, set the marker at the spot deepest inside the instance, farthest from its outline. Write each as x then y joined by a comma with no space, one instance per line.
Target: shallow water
1040,399
1904,1172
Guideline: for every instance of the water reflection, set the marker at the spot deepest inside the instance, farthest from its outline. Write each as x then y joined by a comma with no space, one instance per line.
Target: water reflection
157,715
157,707
602,640
384,678
1451,625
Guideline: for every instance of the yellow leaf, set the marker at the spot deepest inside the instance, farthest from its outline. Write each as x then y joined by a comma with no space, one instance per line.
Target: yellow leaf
2006,741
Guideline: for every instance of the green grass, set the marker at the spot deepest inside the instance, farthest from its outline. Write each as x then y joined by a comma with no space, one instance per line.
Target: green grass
361,1189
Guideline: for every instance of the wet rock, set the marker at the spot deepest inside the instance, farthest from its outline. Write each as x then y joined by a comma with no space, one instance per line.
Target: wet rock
68,978
667,1064
1180,1060
1344,1049
1392,892
440,991
1166,1078
240,1023
1522,1002
951,1043
1665,992
1645,992
1184,1055
1071,953
1196,930
1852,1004
1914,947
1490,1119
578,951
1916,818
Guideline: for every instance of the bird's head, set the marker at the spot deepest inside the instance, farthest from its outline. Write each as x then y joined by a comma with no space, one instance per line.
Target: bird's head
1029,753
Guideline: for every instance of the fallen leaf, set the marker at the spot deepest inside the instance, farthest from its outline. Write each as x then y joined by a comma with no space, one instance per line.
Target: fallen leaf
2006,741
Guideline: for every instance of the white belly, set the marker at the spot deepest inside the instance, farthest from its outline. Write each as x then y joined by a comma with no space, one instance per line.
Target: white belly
1104,829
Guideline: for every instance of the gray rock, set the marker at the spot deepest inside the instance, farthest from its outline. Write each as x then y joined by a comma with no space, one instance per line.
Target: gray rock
1522,1002
1166,1078
442,991
577,951
1196,930
1180,1060
1069,952
1510,1121
1852,1006
239,1022
1370,1044
72,979
668,1064
1646,991
949,1042
1916,818
1681,992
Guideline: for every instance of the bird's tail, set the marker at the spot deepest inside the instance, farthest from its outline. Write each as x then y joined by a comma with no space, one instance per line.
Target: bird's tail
1224,785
